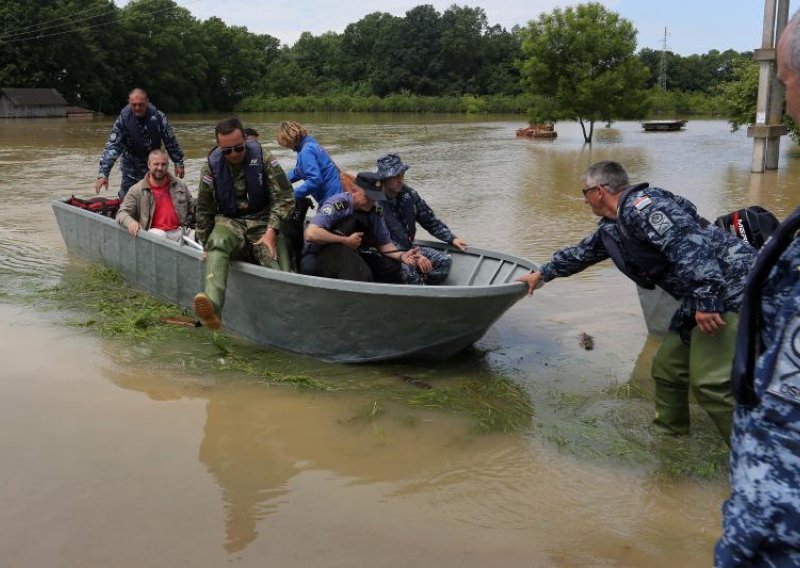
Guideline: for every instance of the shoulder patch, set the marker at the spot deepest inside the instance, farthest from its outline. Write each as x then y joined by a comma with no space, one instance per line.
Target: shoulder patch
642,202
327,209
785,381
378,210
207,179
274,162
660,222
340,205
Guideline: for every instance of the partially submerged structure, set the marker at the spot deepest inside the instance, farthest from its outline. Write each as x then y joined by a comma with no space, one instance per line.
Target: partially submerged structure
31,103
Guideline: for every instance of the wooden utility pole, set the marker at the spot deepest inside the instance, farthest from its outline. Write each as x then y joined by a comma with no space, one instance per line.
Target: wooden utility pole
769,128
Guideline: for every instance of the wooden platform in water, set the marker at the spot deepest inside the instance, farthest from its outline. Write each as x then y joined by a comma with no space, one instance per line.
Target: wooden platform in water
663,125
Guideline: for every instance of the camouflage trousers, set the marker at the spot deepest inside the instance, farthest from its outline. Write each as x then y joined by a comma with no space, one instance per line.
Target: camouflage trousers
438,274
704,367
132,172
237,239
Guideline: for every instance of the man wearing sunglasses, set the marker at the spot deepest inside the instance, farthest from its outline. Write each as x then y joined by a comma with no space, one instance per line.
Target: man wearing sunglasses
243,199
657,238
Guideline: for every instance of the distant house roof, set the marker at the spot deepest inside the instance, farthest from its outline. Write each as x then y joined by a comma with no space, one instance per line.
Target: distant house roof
34,97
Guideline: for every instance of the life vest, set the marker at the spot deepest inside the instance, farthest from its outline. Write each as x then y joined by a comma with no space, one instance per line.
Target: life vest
638,260
748,336
137,144
253,165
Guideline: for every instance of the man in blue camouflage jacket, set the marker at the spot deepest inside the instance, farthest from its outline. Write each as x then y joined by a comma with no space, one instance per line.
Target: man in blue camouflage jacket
761,520
403,209
139,129
657,238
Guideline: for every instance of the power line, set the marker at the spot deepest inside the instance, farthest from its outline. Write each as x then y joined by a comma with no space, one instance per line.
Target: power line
83,28
46,24
37,32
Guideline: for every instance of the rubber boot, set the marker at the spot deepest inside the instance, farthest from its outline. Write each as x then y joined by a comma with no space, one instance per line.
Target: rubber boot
671,374
710,371
221,245
204,310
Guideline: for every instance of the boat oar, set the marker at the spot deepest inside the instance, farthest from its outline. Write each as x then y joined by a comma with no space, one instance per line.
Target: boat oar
180,321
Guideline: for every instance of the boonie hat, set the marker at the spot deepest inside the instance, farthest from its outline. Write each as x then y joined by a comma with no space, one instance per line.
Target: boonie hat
391,165
370,183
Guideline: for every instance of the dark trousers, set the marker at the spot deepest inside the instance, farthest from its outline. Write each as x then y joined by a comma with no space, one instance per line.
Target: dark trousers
342,262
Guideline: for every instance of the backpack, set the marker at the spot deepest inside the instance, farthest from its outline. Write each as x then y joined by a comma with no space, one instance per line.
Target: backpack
106,206
752,224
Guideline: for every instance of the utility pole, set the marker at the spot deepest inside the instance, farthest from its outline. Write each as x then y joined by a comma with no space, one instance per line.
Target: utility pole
662,68
769,128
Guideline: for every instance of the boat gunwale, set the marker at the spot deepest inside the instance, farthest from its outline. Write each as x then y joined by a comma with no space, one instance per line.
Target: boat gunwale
371,288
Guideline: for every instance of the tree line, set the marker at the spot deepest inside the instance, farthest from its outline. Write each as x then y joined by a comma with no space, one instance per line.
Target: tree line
94,52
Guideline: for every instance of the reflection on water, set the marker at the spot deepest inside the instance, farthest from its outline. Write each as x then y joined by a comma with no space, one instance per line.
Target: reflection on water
214,465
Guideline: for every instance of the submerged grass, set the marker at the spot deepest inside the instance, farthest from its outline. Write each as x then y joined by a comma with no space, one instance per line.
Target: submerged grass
615,423
105,304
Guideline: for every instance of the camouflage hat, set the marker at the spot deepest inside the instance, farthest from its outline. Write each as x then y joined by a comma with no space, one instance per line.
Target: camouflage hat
370,184
391,165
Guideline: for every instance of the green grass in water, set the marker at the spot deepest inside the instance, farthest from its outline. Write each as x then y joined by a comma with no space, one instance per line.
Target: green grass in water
108,306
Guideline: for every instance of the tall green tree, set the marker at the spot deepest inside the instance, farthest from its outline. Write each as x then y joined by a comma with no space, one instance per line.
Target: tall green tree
583,59
69,45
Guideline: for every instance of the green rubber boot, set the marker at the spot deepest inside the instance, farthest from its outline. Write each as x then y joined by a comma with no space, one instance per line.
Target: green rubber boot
221,245
710,363
671,374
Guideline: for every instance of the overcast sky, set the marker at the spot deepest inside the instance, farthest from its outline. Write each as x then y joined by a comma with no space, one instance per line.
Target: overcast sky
693,26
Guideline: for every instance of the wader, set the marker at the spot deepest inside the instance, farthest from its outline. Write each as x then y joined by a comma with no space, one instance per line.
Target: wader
704,366
235,239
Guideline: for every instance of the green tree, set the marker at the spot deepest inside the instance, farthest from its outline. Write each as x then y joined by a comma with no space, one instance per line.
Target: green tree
583,59
69,45
235,62
163,54
739,98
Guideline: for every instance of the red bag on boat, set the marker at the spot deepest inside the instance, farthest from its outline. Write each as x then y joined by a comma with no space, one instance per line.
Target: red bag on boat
106,206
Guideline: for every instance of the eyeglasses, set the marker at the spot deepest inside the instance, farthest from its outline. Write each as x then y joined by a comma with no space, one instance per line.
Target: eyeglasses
588,189
231,149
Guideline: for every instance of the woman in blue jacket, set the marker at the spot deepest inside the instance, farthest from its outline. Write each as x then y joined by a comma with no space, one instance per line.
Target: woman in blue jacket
314,166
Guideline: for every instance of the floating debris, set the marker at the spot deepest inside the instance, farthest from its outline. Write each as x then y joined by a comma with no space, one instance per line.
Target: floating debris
546,130
586,341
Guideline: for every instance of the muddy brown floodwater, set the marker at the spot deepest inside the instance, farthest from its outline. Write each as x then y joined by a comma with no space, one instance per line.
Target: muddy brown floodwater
129,452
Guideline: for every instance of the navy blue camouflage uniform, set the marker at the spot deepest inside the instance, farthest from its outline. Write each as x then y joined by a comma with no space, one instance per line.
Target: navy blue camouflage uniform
153,129
761,519
339,215
402,213
705,268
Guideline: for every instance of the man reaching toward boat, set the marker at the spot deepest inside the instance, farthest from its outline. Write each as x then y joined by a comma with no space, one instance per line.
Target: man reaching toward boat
657,238
243,199
139,129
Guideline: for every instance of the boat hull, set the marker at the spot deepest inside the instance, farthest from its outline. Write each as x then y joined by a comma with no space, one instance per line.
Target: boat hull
333,320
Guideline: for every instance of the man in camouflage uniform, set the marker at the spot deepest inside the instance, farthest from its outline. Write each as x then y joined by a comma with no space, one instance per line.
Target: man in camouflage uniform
139,129
403,209
658,239
761,519
243,199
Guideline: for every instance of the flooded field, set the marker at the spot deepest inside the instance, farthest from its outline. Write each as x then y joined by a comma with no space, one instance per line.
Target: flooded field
126,442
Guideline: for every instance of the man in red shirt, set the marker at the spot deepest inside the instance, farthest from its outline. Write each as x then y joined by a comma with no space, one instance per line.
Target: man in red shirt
160,203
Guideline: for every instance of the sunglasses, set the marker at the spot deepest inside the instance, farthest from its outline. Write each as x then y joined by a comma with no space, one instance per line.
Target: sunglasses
231,149
588,189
